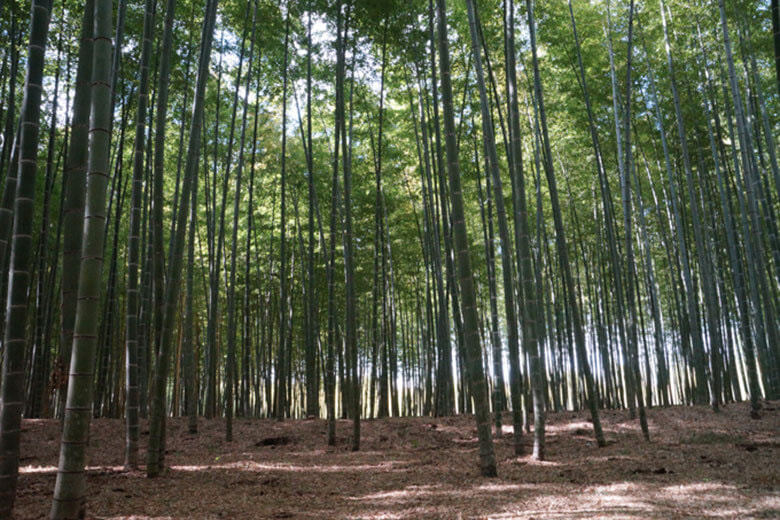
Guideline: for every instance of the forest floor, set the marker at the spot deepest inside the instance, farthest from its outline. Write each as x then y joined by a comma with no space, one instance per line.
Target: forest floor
698,465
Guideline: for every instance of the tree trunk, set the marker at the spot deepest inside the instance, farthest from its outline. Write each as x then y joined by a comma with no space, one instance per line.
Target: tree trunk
281,399
131,347
625,182
465,278
234,252
560,240
15,342
528,287
155,456
69,491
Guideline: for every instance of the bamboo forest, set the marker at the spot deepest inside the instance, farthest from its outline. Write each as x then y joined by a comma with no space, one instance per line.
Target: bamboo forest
373,259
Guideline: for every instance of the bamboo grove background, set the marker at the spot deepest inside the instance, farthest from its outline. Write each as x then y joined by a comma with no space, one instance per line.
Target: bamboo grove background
372,209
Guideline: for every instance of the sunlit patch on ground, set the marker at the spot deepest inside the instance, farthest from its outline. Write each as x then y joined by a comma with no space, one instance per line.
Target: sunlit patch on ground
698,465
37,469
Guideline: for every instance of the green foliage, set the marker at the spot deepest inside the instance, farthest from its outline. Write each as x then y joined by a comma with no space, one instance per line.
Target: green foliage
405,26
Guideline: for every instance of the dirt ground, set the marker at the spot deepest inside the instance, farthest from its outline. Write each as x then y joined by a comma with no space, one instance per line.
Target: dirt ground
698,465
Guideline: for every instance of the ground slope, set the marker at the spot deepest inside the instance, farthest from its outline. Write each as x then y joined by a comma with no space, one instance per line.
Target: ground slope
698,464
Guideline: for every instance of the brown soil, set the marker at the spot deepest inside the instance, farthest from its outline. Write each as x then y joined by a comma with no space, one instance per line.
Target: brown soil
698,464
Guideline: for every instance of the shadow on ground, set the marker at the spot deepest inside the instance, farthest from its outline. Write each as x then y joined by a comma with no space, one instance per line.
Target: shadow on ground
698,465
